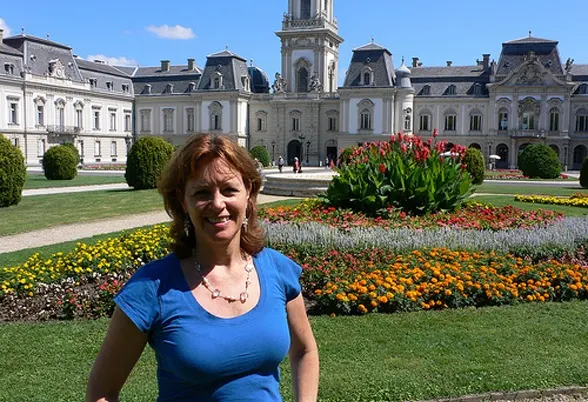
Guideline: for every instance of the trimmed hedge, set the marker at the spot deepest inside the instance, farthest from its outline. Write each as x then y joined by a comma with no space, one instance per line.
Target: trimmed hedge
584,173
540,161
74,150
59,163
261,154
475,165
13,173
145,162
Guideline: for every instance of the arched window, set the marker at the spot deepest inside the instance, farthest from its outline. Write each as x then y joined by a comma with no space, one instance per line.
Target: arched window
366,115
407,123
554,119
503,119
426,90
217,80
215,113
450,120
302,80
475,120
582,89
477,89
582,120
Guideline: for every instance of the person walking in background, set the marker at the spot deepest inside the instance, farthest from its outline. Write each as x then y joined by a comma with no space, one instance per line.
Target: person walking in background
280,163
296,165
222,310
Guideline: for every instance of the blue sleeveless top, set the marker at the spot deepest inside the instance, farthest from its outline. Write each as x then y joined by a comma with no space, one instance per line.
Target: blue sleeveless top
205,358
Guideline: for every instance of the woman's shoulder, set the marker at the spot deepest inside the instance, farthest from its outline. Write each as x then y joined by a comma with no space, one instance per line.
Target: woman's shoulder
158,269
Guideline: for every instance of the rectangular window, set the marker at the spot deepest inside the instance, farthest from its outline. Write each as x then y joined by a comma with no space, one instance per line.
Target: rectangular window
582,123
425,122
190,120
553,121
168,120
96,120
145,121
259,124
366,121
81,149
113,148
332,124
97,148
475,122
450,122
127,122
503,121
295,124
61,117
15,142
41,147
216,123
79,118
40,115
112,121
528,121
13,113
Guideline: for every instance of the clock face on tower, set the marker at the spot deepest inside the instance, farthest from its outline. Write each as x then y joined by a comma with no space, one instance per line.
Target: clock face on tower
56,68
59,72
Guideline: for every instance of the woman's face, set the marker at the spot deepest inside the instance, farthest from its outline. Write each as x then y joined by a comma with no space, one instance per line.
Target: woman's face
216,200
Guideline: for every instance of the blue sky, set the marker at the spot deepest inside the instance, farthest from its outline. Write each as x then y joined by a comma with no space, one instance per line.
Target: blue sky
132,32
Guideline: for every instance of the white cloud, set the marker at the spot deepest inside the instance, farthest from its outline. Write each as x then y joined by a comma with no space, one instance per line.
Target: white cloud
171,32
5,27
114,61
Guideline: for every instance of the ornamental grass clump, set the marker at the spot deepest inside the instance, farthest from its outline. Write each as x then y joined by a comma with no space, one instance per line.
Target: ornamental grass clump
405,172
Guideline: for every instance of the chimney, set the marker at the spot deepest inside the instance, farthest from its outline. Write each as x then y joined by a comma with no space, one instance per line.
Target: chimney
486,60
449,63
190,64
415,61
164,66
1,37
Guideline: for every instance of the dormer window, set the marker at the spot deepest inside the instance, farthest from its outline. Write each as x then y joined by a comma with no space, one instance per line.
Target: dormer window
93,82
192,87
477,90
367,76
146,89
169,89
426,90
583,89
125,88
217,80
109,85
245,82
9,68
451,90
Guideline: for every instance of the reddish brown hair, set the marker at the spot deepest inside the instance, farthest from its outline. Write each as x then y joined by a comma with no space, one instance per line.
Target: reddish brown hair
200,148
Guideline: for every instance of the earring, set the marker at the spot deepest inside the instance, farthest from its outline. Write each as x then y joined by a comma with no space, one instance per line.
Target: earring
245,223
187,225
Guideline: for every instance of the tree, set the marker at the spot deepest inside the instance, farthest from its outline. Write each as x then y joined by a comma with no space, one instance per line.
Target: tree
13,173
60,163
146,160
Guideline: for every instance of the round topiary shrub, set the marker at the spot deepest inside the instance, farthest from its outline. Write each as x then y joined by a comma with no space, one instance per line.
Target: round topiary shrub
74,150
261,154
13,173
540,161
145,162
475,165
584,173
59,163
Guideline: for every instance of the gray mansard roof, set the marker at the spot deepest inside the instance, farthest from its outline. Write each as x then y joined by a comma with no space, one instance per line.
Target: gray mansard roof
176,80
515,52
378,59
230,66
103,74
464,79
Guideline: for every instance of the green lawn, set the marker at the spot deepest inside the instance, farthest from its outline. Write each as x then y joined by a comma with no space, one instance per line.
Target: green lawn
513,188
503,200
421,355
44,211
40,181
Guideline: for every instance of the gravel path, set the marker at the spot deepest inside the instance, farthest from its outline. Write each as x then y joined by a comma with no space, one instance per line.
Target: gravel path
60,234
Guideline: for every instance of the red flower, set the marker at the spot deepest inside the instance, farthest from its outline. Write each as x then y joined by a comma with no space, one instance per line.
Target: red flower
435,133
382,168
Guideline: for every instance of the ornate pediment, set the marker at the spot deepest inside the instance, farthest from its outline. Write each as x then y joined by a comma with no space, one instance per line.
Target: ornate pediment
530,75
56,69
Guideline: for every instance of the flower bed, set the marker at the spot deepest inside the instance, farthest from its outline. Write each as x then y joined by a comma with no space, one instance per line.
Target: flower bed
510,174
473,215
81,284
576,200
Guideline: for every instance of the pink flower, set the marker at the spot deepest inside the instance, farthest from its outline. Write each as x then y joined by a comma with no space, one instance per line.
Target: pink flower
435,133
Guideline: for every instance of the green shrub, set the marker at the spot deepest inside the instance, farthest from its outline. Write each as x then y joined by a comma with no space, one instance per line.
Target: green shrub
475,165
146,160
406,173
540,161
59,163
74,150
261,154
584,173
13,173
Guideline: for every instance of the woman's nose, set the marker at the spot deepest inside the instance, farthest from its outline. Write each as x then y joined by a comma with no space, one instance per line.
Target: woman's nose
218,200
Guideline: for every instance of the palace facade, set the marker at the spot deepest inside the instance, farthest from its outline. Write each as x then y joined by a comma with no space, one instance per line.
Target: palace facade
525,95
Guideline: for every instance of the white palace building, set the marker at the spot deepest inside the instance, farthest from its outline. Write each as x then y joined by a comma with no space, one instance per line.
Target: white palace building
526,95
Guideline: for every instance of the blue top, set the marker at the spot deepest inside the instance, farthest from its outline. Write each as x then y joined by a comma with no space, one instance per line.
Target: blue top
205,358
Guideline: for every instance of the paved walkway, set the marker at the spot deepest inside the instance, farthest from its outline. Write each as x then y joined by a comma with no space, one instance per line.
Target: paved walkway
64,233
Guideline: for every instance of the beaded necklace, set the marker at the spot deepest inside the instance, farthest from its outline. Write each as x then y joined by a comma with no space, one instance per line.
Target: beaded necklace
216,293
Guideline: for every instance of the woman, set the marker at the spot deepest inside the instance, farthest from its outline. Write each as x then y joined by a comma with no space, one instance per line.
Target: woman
221,311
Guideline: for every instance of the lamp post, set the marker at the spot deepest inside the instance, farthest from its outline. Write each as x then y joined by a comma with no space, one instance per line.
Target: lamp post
307,150
301,137
273,150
